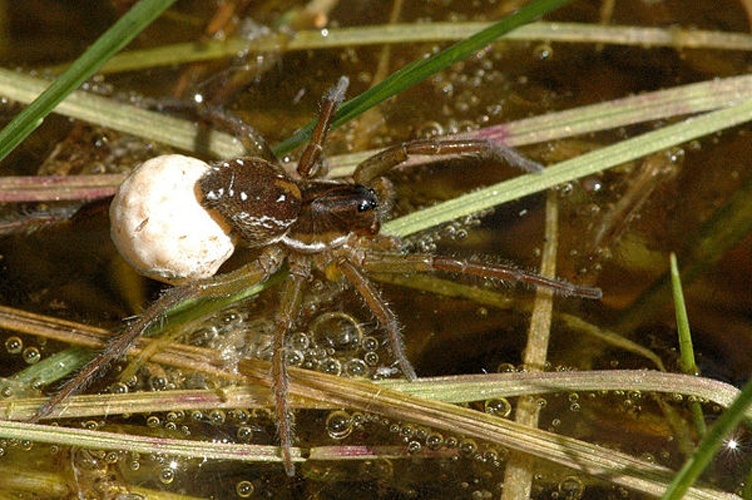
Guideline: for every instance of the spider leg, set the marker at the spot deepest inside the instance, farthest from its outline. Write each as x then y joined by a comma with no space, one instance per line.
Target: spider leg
392,263
219,286
309,164
290,301
380,309
380,163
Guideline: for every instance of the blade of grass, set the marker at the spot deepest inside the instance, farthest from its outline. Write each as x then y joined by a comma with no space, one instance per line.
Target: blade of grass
423,68
687,352
710,445
688,364
112,41
567,171
359,36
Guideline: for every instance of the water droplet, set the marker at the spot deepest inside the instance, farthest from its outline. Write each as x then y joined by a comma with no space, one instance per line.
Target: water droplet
299,340
331,366
244,433
31,355
244,489
371,358
434,441
337,330
294,357
468,447
414,447
571,488
167,475
506,368
499,407
217,417
355,368
14,345
339,424
370,343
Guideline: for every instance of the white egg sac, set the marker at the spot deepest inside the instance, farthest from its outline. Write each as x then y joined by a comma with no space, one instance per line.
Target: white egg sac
159,226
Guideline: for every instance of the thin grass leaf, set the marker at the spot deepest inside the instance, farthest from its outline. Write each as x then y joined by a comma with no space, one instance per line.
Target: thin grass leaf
709,446
400,34
421,69
686,349
111,42
570,170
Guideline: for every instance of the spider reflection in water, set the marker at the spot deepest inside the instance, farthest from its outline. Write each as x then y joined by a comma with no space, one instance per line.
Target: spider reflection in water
312,224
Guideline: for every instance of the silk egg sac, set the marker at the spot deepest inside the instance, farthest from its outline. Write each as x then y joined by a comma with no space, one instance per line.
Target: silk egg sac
160,227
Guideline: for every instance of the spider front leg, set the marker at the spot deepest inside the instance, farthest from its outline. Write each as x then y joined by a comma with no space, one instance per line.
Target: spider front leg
379,164
395,263
220,286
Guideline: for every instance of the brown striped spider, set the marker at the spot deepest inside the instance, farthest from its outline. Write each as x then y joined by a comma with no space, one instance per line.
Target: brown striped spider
310,224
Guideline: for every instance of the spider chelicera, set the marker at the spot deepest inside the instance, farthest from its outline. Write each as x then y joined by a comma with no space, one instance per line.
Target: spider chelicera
313,224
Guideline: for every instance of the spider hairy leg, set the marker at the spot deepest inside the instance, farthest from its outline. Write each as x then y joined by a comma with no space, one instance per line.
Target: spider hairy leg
393,156
309,164
388,263
384,315
224,285
291,298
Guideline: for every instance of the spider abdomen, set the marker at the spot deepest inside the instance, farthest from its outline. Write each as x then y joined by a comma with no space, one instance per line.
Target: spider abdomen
253,196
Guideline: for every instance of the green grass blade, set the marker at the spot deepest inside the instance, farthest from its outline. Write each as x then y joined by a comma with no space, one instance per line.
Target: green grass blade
423,68
569,170
688,364
113,40
710,444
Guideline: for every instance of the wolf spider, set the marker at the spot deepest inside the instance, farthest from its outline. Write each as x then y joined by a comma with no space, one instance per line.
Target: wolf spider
313,223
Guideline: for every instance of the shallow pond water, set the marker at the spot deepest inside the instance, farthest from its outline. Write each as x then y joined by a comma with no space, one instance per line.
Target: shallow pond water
615,231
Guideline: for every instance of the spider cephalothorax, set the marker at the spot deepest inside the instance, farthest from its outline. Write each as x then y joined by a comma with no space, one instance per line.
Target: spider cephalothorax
309,223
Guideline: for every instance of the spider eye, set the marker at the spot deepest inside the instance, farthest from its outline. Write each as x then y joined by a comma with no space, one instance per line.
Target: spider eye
367,205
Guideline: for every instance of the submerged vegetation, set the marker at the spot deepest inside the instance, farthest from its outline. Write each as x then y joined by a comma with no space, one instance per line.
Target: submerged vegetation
520,393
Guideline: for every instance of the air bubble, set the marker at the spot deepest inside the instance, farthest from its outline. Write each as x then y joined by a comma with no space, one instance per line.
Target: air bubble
370,343
371,358
506,368
294,357
339,424
571,488
468,447
166,475
498,406
14,345
355,368
217,417
31,355
299,340
337,330
414,447
331,366
119,388
244,489
158,383
90,425
244,433
434,441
